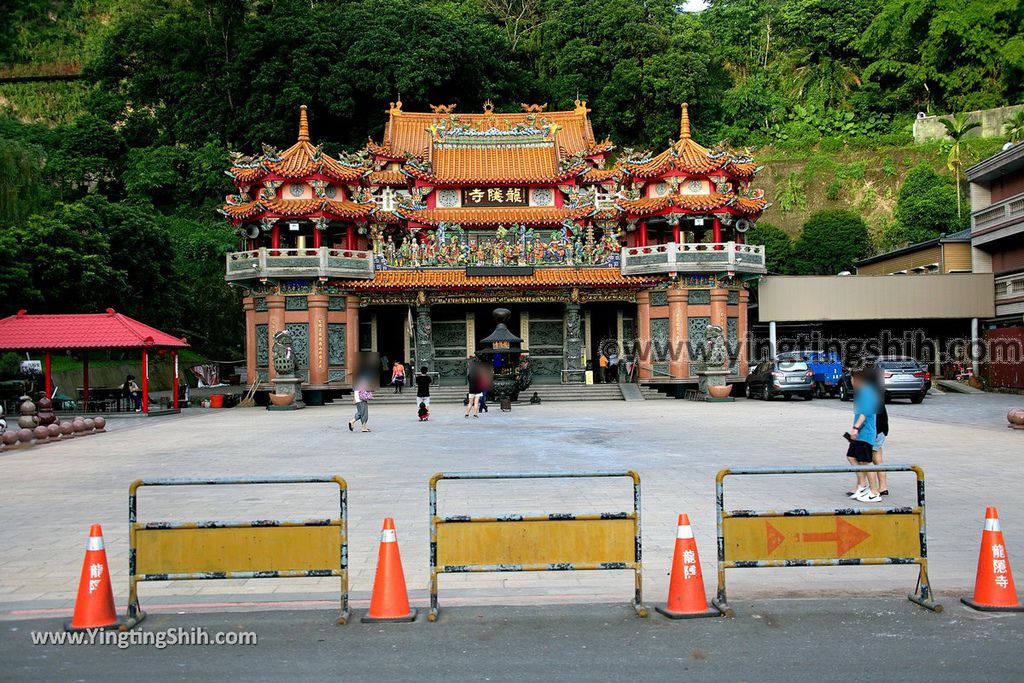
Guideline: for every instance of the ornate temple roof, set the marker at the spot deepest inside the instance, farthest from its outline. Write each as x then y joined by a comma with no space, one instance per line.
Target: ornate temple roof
525,215
409,132
303,159
388,178
700,203
689,156
508,163
542,278
294,208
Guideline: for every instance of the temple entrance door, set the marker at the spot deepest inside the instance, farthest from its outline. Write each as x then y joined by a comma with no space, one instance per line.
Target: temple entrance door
392,329
603,328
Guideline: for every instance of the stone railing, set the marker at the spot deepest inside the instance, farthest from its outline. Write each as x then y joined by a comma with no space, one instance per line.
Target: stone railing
1008,212
284,263
723,257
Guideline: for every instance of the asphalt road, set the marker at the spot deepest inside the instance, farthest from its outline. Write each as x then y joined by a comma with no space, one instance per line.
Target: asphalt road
778,640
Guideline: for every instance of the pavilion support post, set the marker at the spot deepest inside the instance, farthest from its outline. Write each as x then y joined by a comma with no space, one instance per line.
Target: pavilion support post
679,349
351,337
85,382
145,381
716,230
48,374
318,237
350,237
643,333
174,382
643,234
573,347
275,237
676,234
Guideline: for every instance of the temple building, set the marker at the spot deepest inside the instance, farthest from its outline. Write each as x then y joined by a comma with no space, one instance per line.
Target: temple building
403,248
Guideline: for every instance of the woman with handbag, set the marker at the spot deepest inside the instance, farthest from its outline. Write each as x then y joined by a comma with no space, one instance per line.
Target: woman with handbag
361,398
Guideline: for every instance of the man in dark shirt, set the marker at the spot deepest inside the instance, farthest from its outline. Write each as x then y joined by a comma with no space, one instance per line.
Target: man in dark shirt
423,382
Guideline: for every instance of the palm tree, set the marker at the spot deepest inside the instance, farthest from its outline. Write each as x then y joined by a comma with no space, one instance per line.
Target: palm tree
1015,127
957,128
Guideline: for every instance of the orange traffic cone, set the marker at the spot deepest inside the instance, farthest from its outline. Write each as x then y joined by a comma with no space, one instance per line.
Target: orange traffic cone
686,599
390,599
993,588
94,607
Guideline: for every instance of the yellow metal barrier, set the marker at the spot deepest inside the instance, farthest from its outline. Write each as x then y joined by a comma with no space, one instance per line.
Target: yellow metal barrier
813,538
258,549
518,543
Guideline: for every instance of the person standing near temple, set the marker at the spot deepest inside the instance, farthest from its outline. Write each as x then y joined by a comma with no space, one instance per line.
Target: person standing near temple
423,382
132,392
613,364
473,398
862,436
361,397
486,380
398,377
602,368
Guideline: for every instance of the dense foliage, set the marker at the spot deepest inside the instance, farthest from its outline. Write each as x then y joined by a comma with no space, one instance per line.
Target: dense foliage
113,202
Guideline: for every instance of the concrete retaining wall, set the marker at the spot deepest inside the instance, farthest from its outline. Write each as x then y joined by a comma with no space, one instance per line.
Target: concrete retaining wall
930,128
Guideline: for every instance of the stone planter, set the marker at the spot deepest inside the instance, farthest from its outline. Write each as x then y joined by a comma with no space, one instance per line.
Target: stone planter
719,391
282,399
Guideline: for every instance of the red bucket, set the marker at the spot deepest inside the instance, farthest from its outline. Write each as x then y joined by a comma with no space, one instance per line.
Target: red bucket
217,400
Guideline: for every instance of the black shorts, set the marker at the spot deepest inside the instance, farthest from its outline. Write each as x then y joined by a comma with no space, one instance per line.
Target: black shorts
859,451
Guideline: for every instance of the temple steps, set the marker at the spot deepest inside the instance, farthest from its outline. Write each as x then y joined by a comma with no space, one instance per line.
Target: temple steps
547,393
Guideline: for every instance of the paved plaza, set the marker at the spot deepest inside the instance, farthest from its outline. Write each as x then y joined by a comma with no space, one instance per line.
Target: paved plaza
52,493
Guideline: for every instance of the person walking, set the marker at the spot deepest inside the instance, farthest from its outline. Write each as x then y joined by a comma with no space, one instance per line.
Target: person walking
881,430
486,378
613,365
602,365
473,399
132,392
862,436
423,382
398,377
361,398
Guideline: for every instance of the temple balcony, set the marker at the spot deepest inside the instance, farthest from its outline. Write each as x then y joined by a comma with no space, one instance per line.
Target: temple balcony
324,262
723,257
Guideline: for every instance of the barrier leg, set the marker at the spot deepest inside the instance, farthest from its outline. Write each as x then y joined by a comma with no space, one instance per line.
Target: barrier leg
135,614
719,602
435,610
344,614
923,595
638,598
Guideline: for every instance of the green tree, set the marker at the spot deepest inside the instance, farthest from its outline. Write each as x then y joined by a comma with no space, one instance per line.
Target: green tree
831,242
959,151
1014,128
925,207
778,247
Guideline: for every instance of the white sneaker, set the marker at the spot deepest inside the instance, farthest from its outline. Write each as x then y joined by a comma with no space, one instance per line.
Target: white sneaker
868,497
859,492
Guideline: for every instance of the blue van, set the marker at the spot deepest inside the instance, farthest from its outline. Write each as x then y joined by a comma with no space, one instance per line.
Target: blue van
827,369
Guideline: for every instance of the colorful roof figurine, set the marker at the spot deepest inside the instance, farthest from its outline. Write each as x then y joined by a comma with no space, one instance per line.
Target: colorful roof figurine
525,215
508,163
686,155
301,160
110,330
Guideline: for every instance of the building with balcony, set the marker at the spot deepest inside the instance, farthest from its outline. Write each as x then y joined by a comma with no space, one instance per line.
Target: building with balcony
997,241
402,248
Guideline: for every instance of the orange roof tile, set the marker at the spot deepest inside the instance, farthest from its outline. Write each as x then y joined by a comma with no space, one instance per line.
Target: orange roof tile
504,215
692,202
389,178
406,131
451,278
296,208
600,175
459,164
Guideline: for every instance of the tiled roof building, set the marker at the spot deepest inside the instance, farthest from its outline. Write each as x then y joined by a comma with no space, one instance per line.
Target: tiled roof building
451,211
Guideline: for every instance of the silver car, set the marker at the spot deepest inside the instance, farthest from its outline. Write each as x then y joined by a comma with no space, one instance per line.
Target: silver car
903,378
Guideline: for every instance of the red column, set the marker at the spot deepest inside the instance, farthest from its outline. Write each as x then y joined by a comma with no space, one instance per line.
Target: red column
643,234
49,378
738,237
145,381
85,382
675,233
716,230
317,238
174,381
275,237
350,237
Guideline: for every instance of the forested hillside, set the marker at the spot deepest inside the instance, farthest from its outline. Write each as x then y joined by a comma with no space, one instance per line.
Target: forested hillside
108,184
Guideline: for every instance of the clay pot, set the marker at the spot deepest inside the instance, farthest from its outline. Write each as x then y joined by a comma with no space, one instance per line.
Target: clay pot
53,431
282,399
101,423
66,429
1016,418
25,435
720,391
9,438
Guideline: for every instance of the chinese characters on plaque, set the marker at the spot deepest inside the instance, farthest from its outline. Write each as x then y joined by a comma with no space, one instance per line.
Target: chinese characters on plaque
495,196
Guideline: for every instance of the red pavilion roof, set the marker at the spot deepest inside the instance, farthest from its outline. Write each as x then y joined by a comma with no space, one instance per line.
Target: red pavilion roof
110,330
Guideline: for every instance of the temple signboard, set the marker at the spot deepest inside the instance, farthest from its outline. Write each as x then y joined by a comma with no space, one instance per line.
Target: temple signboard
495,196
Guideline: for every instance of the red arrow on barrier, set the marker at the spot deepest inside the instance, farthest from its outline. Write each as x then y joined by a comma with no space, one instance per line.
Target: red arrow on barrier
775,537
846,536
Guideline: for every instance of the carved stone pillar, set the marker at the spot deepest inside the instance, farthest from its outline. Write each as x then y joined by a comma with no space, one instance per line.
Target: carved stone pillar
317,307
424,338
351,338
249,306
719,301
573,348
679,352
275,323
643,334
741,333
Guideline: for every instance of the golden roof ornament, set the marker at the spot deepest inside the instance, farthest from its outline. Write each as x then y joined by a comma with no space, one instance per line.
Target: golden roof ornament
303,125
533,108
684,122
581,107
396,106
442,108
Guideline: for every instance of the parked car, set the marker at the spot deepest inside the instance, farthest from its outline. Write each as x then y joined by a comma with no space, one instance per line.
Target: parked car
787,375
903,377
828,371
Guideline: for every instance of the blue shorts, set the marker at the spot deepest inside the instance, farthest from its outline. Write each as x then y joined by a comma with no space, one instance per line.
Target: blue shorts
879,441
